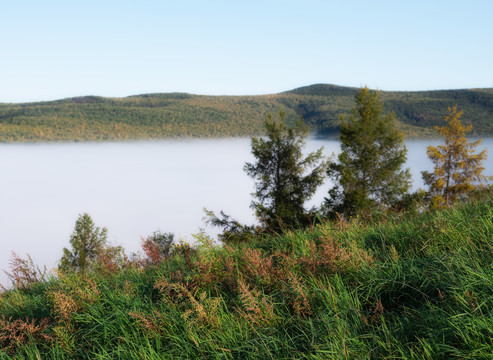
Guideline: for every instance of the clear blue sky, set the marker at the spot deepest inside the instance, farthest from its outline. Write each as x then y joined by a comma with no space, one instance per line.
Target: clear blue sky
55,49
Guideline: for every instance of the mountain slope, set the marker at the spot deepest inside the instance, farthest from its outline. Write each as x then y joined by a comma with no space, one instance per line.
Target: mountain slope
156,116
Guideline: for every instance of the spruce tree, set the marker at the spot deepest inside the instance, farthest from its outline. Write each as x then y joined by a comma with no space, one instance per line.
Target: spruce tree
456,165
280,170
368,174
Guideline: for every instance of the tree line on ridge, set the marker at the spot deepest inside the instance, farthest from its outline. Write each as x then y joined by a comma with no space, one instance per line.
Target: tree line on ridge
161,116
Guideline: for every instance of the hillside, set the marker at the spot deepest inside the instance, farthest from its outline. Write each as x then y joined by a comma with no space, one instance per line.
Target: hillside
410,287
157,116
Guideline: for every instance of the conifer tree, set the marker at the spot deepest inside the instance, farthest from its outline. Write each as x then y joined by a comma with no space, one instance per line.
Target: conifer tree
87,241
368,174
456,165
282,182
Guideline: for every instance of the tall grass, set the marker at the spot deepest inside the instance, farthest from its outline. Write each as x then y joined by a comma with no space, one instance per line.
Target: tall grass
417,287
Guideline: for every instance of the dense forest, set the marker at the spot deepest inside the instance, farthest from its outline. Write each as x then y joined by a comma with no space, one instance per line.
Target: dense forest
158,116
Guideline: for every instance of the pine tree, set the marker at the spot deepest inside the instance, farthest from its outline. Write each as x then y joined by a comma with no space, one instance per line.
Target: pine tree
282,185
456,165
368,174
87,241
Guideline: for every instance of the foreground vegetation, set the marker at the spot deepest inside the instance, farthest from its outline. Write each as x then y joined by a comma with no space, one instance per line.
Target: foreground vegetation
394,286
158,116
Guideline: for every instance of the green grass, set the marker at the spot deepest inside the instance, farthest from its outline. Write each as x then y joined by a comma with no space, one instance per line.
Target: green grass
402,287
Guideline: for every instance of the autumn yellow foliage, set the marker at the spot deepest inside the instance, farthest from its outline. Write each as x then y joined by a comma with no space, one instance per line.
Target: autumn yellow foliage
457,167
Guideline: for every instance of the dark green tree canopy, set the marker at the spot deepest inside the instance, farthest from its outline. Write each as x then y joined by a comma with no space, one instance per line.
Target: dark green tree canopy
87,242
368,174
285,179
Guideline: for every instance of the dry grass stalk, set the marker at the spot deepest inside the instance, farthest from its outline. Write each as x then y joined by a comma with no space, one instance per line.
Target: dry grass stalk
341,222
150,323
203,309
328,257
18,332
300,303
259,313
230,273
207,273
203,312
374,317
216,271
377,312
128,289
88,293
343,257
64,306
23,272
259,268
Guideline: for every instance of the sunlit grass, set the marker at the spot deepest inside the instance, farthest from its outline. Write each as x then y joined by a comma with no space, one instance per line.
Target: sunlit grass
402,287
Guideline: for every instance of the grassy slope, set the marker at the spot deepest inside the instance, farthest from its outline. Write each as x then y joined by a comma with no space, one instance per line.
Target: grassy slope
157,116
416,287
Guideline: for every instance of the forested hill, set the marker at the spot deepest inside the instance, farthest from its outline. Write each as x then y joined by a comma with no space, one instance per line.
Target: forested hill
155,116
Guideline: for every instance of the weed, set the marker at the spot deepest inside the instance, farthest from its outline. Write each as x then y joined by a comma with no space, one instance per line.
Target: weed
23,272
14,333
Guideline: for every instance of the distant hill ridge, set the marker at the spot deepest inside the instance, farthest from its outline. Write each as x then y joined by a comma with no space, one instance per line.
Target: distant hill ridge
324,90
171,115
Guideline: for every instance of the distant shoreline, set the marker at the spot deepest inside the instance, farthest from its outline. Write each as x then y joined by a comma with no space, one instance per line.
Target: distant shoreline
179,116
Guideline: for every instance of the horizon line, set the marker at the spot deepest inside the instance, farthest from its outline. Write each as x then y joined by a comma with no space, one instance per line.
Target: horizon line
239,95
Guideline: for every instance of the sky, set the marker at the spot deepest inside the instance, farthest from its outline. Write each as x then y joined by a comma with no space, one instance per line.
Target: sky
56,49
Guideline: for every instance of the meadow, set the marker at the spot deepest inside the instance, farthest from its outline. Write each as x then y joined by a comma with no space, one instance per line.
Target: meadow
396,286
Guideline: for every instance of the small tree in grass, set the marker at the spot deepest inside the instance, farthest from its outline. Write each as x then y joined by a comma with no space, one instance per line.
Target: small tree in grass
87,242
457,168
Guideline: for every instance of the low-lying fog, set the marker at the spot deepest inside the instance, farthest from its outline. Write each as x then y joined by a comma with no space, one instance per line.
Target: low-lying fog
133,189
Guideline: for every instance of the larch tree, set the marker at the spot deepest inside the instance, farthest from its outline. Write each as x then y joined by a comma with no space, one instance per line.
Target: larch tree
368,174
457,167
285,178
87,242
